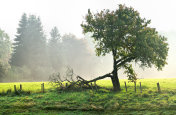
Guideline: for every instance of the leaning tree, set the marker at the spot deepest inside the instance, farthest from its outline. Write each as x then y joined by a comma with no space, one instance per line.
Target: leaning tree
129,38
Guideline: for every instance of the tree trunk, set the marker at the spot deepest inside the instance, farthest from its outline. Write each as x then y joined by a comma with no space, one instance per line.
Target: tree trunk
114,78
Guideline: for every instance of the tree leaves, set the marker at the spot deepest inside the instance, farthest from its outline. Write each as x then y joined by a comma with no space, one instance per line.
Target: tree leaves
131,74
128,36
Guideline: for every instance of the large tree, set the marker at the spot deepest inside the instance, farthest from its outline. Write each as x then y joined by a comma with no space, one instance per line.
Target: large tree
128,37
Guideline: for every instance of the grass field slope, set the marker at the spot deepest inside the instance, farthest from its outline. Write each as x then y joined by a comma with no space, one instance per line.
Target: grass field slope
91,102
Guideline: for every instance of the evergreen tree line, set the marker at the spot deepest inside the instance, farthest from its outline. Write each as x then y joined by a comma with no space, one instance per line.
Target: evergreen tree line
34,56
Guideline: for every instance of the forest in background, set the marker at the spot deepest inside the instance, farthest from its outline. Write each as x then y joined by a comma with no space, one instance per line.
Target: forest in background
33,56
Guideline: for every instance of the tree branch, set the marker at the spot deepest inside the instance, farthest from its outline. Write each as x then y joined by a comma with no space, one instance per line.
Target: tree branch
126,60
100,77
120,60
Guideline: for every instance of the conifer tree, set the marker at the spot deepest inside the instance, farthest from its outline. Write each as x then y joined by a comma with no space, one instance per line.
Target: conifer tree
54,49
18,45
30,43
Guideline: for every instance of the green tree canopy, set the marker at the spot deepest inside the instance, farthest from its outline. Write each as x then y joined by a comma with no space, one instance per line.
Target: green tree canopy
5,48
128,37
5,53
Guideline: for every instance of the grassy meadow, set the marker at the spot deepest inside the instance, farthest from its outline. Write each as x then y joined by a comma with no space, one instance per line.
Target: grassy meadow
90,102
33,87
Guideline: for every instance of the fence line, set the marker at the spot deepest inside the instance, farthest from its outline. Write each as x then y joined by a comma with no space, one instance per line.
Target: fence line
126,89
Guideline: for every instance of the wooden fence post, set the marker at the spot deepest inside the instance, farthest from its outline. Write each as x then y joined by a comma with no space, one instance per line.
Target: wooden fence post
95,85
125,86
140,87
159,89
15,88
20,87
42,88
135,86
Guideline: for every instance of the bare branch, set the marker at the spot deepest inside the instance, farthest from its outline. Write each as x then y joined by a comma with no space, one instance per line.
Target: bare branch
100,77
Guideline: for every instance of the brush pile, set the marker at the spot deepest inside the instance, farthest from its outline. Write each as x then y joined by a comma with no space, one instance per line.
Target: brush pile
71,81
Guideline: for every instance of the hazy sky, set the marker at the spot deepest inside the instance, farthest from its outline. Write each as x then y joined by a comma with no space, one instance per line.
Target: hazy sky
67,15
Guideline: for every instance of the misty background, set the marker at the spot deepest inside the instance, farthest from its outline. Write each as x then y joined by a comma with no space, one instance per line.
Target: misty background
60,41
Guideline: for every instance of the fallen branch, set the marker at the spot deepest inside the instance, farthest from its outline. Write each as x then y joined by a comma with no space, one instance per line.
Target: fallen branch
75,85
100,77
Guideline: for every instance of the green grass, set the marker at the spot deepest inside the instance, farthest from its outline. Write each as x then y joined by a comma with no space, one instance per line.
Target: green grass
87,102
26,86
